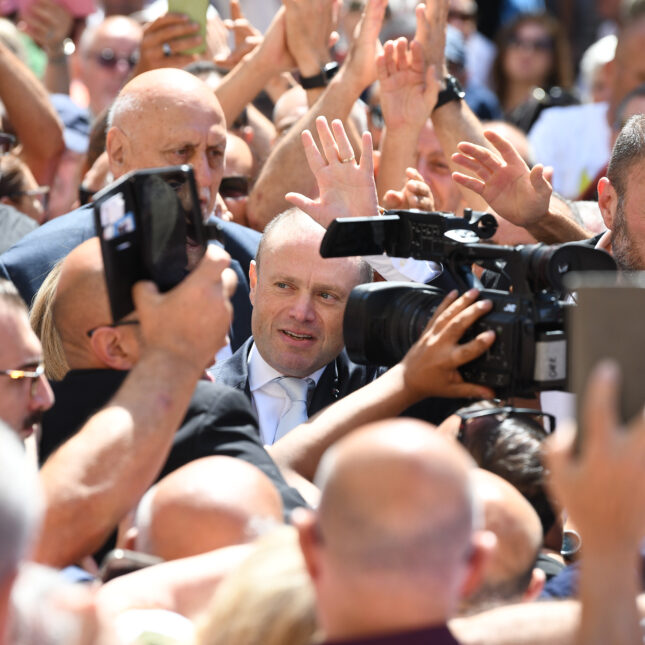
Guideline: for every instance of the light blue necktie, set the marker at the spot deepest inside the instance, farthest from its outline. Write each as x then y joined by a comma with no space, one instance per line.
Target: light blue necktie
297,390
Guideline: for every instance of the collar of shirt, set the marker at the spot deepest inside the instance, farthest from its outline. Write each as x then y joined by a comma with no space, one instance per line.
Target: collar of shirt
269,399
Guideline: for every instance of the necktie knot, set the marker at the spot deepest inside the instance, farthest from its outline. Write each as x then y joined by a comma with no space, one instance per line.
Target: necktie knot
297,391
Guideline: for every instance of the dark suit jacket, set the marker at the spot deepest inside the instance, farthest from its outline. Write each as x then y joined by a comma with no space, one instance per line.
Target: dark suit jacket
339,378
28,262
219,421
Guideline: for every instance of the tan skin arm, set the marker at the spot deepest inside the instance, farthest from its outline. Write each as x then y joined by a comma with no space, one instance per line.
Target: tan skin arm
99,474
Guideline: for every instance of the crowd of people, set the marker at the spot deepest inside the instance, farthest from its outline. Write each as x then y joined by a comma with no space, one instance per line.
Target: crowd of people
213,467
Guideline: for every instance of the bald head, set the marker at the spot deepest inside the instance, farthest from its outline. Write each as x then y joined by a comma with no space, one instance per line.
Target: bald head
168,117
511,518
396,496
207,504
81,302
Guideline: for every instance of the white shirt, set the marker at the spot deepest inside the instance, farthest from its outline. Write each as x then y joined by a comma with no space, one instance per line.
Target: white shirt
575,140
269,399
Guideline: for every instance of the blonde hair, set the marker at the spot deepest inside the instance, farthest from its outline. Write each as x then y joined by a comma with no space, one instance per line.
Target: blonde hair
268,600
41,318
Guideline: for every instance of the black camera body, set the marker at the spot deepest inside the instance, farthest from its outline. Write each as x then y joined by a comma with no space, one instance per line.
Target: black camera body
383,320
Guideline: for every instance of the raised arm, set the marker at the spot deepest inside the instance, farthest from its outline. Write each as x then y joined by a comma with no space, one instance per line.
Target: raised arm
521,196
98,475
428,369
28,104
286,167
408,92
603,490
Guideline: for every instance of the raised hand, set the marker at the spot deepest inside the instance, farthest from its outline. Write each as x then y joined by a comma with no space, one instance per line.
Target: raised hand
415,194
246,37
310,26
346,188
48,23
432,18
164,41
408,90
519,195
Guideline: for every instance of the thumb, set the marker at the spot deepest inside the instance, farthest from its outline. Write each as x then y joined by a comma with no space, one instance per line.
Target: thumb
145,292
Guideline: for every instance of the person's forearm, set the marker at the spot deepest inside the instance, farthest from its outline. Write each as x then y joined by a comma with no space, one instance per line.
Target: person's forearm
607,591
455,122
286,168
128,441
398,149
242,84
303,447
27,105
56,77
558,225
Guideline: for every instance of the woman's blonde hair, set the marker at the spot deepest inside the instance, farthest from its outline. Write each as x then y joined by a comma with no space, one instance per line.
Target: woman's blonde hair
268,600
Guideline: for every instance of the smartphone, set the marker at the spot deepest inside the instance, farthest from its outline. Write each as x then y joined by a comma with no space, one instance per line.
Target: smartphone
150,227
196,11
607,322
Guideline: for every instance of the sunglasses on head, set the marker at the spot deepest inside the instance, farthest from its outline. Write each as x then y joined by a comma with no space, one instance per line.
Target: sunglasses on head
483,420
42,193
109,59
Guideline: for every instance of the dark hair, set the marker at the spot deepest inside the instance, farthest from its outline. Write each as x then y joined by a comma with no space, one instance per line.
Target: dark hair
628,149
12,175
512,450
561,73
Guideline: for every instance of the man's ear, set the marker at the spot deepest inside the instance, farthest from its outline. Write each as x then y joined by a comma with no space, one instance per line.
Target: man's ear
484,543
538,580
607,201
253,280
117,146
304,521
107,346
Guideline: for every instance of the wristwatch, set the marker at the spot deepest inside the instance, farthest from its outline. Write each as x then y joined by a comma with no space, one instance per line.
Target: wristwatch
327,72
453,91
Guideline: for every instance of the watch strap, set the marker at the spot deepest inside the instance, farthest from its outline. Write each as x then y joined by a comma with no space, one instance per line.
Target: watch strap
327,72
453,91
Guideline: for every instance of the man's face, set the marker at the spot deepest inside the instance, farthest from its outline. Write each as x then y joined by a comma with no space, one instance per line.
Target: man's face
108,62
22,401
628,229
434,168
298,303
182,133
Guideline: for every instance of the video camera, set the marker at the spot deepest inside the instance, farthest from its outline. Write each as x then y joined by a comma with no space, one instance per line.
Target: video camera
383,320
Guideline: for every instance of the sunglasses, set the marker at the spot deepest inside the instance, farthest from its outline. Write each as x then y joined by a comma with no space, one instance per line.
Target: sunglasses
7,142
119,323
536,45
483,420
232,187
42,192
108,58
453,14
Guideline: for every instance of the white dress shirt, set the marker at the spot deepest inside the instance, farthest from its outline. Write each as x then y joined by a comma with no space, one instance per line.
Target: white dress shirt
269,399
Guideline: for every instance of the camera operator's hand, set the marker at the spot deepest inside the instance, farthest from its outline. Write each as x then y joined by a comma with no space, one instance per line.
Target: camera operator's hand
191,321
516,193
178,32
430,366
603,490
346,188
310,26
415,194
408,89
